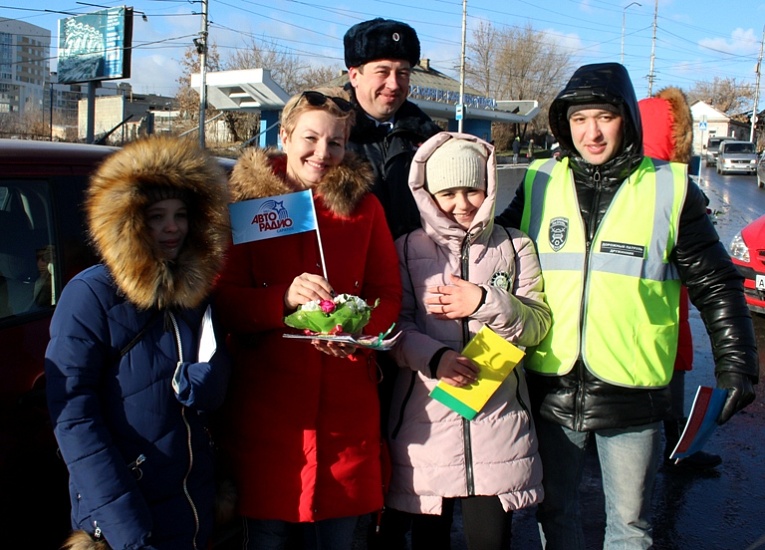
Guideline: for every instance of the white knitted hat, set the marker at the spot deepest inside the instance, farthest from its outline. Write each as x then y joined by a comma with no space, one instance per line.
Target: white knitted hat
457,163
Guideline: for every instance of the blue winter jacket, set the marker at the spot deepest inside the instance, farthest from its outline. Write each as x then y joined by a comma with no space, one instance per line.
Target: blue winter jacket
128,389
138,452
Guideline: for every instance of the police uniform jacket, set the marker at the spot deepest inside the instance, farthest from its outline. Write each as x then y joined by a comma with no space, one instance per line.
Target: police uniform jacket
390,152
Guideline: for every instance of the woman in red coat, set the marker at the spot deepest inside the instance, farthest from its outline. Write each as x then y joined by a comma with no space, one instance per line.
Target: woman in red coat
302,421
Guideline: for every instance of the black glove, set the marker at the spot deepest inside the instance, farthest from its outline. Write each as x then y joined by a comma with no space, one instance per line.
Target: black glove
740,393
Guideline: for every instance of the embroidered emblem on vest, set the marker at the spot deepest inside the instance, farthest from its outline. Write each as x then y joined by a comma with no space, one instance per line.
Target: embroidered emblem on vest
558,233
501,279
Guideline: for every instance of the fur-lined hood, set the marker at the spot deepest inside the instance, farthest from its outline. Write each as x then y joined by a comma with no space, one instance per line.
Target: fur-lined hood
667,126
440,227
115,206
261,173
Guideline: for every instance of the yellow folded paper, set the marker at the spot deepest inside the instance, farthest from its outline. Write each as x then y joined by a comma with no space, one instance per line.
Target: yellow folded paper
496,358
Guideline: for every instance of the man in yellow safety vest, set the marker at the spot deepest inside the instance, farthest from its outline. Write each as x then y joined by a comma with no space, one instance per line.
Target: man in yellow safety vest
617,234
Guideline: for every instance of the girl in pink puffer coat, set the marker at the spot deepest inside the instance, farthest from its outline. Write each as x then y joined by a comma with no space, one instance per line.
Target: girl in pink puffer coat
460,273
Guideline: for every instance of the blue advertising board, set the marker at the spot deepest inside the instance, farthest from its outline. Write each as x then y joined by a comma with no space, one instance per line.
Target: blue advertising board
95,46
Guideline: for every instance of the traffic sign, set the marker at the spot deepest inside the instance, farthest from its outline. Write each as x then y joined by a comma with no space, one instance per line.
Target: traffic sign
703,125
458,114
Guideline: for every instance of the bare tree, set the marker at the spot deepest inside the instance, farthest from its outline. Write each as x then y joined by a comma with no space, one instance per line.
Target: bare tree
317,77
188,98
480,69
286,69
517,63
29,125
724,94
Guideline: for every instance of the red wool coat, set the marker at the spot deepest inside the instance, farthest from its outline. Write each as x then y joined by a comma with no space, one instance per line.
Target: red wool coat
301,428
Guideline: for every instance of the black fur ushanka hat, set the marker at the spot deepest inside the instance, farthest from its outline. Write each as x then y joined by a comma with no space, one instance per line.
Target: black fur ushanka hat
380,39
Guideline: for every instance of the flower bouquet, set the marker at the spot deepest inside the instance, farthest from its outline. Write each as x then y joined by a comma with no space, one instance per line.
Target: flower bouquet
345,314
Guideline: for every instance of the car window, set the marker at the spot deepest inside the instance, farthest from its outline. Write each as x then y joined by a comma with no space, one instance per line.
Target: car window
28,280
739,148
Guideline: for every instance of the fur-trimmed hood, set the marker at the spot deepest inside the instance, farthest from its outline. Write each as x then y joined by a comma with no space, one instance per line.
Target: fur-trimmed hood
667,125
115,206
261,173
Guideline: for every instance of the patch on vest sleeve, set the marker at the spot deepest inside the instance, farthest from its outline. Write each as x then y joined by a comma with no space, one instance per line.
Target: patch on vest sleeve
558,233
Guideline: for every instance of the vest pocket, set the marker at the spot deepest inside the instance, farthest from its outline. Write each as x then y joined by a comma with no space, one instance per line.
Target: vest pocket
653,354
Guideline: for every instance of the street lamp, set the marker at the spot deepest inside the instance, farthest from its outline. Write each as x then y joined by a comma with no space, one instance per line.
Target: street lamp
461,108
624,21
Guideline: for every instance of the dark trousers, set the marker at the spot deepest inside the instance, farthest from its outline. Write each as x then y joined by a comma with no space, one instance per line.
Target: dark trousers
486,524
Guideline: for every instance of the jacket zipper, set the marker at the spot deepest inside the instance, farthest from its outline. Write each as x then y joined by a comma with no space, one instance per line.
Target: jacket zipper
591,229
466,439
518,396
189,445
135,466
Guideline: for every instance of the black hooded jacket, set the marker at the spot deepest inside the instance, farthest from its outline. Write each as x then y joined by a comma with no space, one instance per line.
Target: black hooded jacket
390,153
579,400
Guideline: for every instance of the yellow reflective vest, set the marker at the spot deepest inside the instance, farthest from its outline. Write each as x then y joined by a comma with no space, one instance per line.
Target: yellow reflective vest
616,301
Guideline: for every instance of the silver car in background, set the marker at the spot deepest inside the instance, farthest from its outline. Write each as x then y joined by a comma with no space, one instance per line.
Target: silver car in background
737,156
712,148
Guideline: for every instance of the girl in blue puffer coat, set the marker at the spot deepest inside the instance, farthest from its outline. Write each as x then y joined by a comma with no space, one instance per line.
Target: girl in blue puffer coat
132,367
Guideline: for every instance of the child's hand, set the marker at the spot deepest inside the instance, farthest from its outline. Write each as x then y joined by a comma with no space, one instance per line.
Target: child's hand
307,287
455,301
456,370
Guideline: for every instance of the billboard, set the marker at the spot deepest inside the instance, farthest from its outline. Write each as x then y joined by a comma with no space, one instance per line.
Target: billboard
95,46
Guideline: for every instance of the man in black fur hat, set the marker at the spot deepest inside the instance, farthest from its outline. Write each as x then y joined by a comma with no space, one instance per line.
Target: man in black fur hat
380,55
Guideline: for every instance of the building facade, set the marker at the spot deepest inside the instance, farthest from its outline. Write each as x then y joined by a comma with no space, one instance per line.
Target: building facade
24,67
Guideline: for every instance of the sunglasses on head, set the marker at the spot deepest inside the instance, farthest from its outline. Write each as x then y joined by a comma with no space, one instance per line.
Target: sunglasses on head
317,99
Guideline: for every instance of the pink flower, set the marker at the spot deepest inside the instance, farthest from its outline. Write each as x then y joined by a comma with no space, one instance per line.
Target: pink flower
327,306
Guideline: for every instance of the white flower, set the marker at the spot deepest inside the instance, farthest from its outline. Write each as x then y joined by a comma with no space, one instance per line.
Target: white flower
311,306
354,303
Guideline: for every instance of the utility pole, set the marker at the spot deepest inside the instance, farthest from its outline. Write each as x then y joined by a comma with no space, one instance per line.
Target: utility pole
461,109
653,49
201,44
757,88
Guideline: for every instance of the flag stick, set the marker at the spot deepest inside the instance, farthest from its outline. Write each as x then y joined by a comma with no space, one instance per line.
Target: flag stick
318,237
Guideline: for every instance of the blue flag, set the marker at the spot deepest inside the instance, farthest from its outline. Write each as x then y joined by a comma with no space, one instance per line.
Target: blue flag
269,217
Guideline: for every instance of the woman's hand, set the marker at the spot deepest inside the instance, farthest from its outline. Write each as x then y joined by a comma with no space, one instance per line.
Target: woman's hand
455,301
456,369
306,288
335,349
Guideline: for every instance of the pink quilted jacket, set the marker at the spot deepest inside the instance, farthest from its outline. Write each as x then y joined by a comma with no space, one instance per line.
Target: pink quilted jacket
435,452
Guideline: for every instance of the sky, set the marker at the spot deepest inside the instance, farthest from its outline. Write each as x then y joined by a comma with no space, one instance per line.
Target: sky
695,40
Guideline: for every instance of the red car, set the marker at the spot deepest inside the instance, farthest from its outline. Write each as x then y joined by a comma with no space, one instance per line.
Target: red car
747,249
42,245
